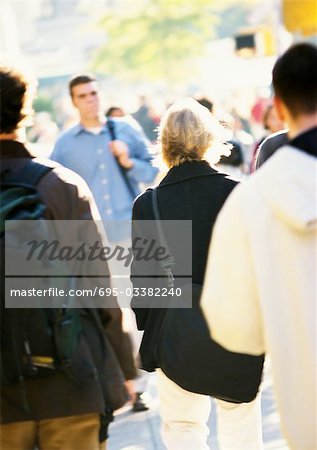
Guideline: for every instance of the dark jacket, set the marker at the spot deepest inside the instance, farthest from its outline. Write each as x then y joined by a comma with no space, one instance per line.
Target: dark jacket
102,344
269,146
192,191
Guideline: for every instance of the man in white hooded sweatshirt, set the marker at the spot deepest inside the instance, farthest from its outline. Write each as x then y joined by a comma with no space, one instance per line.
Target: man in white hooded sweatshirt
260,283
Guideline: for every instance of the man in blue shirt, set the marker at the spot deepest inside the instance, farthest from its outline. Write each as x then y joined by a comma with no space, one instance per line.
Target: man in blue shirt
88,149
113,169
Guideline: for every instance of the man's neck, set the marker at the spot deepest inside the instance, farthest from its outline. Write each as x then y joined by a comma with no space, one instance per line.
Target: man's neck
8,136
92,123
301,124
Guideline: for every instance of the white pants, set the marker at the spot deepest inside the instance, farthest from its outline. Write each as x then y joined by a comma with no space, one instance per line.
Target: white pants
185,415
120,279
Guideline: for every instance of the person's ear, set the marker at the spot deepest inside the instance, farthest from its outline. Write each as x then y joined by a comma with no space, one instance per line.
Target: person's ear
280,108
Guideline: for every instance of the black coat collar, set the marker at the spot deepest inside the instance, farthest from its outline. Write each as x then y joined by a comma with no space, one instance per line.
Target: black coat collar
307,142
13,149
187,170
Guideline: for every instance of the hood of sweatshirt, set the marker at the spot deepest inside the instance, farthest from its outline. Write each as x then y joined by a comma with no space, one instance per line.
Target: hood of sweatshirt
289,186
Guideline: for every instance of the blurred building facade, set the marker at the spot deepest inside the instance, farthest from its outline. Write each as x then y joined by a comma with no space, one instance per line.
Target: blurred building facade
56,36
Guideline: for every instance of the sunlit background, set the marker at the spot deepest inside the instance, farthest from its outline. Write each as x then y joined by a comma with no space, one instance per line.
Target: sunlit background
156,51
162,50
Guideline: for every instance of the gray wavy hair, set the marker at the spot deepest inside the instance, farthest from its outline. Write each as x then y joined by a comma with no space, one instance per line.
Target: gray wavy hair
187,130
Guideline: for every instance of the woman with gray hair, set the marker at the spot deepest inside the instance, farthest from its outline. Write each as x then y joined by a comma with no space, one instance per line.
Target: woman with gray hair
193,190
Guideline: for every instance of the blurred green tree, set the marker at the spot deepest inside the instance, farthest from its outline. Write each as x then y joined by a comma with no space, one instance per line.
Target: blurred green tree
158,40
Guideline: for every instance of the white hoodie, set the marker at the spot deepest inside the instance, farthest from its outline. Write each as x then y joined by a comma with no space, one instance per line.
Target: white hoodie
260,285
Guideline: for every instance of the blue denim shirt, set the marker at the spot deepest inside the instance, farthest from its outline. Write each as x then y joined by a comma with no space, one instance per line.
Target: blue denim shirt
88,154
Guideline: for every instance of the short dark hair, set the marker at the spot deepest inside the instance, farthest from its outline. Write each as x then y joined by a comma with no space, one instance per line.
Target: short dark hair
295,78
80,79
13,93
113,109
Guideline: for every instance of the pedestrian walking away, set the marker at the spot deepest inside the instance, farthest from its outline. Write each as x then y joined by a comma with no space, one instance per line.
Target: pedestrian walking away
62,369
193,190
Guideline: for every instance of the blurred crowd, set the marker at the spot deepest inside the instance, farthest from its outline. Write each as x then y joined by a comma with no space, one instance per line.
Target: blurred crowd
245,134
247,185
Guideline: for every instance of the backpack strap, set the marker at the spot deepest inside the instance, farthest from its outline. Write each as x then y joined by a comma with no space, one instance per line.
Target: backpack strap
19,191
29,176
32,172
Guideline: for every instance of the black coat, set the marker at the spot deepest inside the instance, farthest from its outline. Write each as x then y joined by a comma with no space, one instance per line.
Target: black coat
192,191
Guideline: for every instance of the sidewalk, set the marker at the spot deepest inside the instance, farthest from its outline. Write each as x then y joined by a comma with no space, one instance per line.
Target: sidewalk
141,431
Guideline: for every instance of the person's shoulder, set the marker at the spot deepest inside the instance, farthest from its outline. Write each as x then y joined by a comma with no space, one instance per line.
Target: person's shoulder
68,134
252,188
228,180
128,127
144,198
143,203
120,124
63,177
274,141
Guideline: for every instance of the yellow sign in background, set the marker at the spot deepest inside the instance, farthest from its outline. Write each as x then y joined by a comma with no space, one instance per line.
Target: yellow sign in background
300,16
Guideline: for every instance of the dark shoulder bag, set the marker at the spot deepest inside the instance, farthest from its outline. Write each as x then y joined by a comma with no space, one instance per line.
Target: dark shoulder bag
187,354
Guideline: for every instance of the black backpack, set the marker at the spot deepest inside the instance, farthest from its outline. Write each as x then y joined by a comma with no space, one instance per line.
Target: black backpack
34,341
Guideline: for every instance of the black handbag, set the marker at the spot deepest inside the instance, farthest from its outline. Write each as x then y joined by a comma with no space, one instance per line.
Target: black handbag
187,354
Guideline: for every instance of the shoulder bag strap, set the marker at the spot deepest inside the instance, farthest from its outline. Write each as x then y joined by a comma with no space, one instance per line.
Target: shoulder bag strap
112,131
168,263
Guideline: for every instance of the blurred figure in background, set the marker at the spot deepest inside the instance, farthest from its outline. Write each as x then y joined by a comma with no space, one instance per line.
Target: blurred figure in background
44,132
271,121
269,146
113,160
232,164
271,124
115,111
204,101
144,118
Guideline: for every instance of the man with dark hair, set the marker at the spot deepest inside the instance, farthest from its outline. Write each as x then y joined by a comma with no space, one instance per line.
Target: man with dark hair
45,404
143,115
266,301
294,81
113,158
300,97
80,79
11,111
112,166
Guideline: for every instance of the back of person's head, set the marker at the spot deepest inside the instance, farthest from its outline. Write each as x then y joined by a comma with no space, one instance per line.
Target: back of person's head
186,131
206,103
295,79
80,79
115,111
266,115
14,89
271,120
